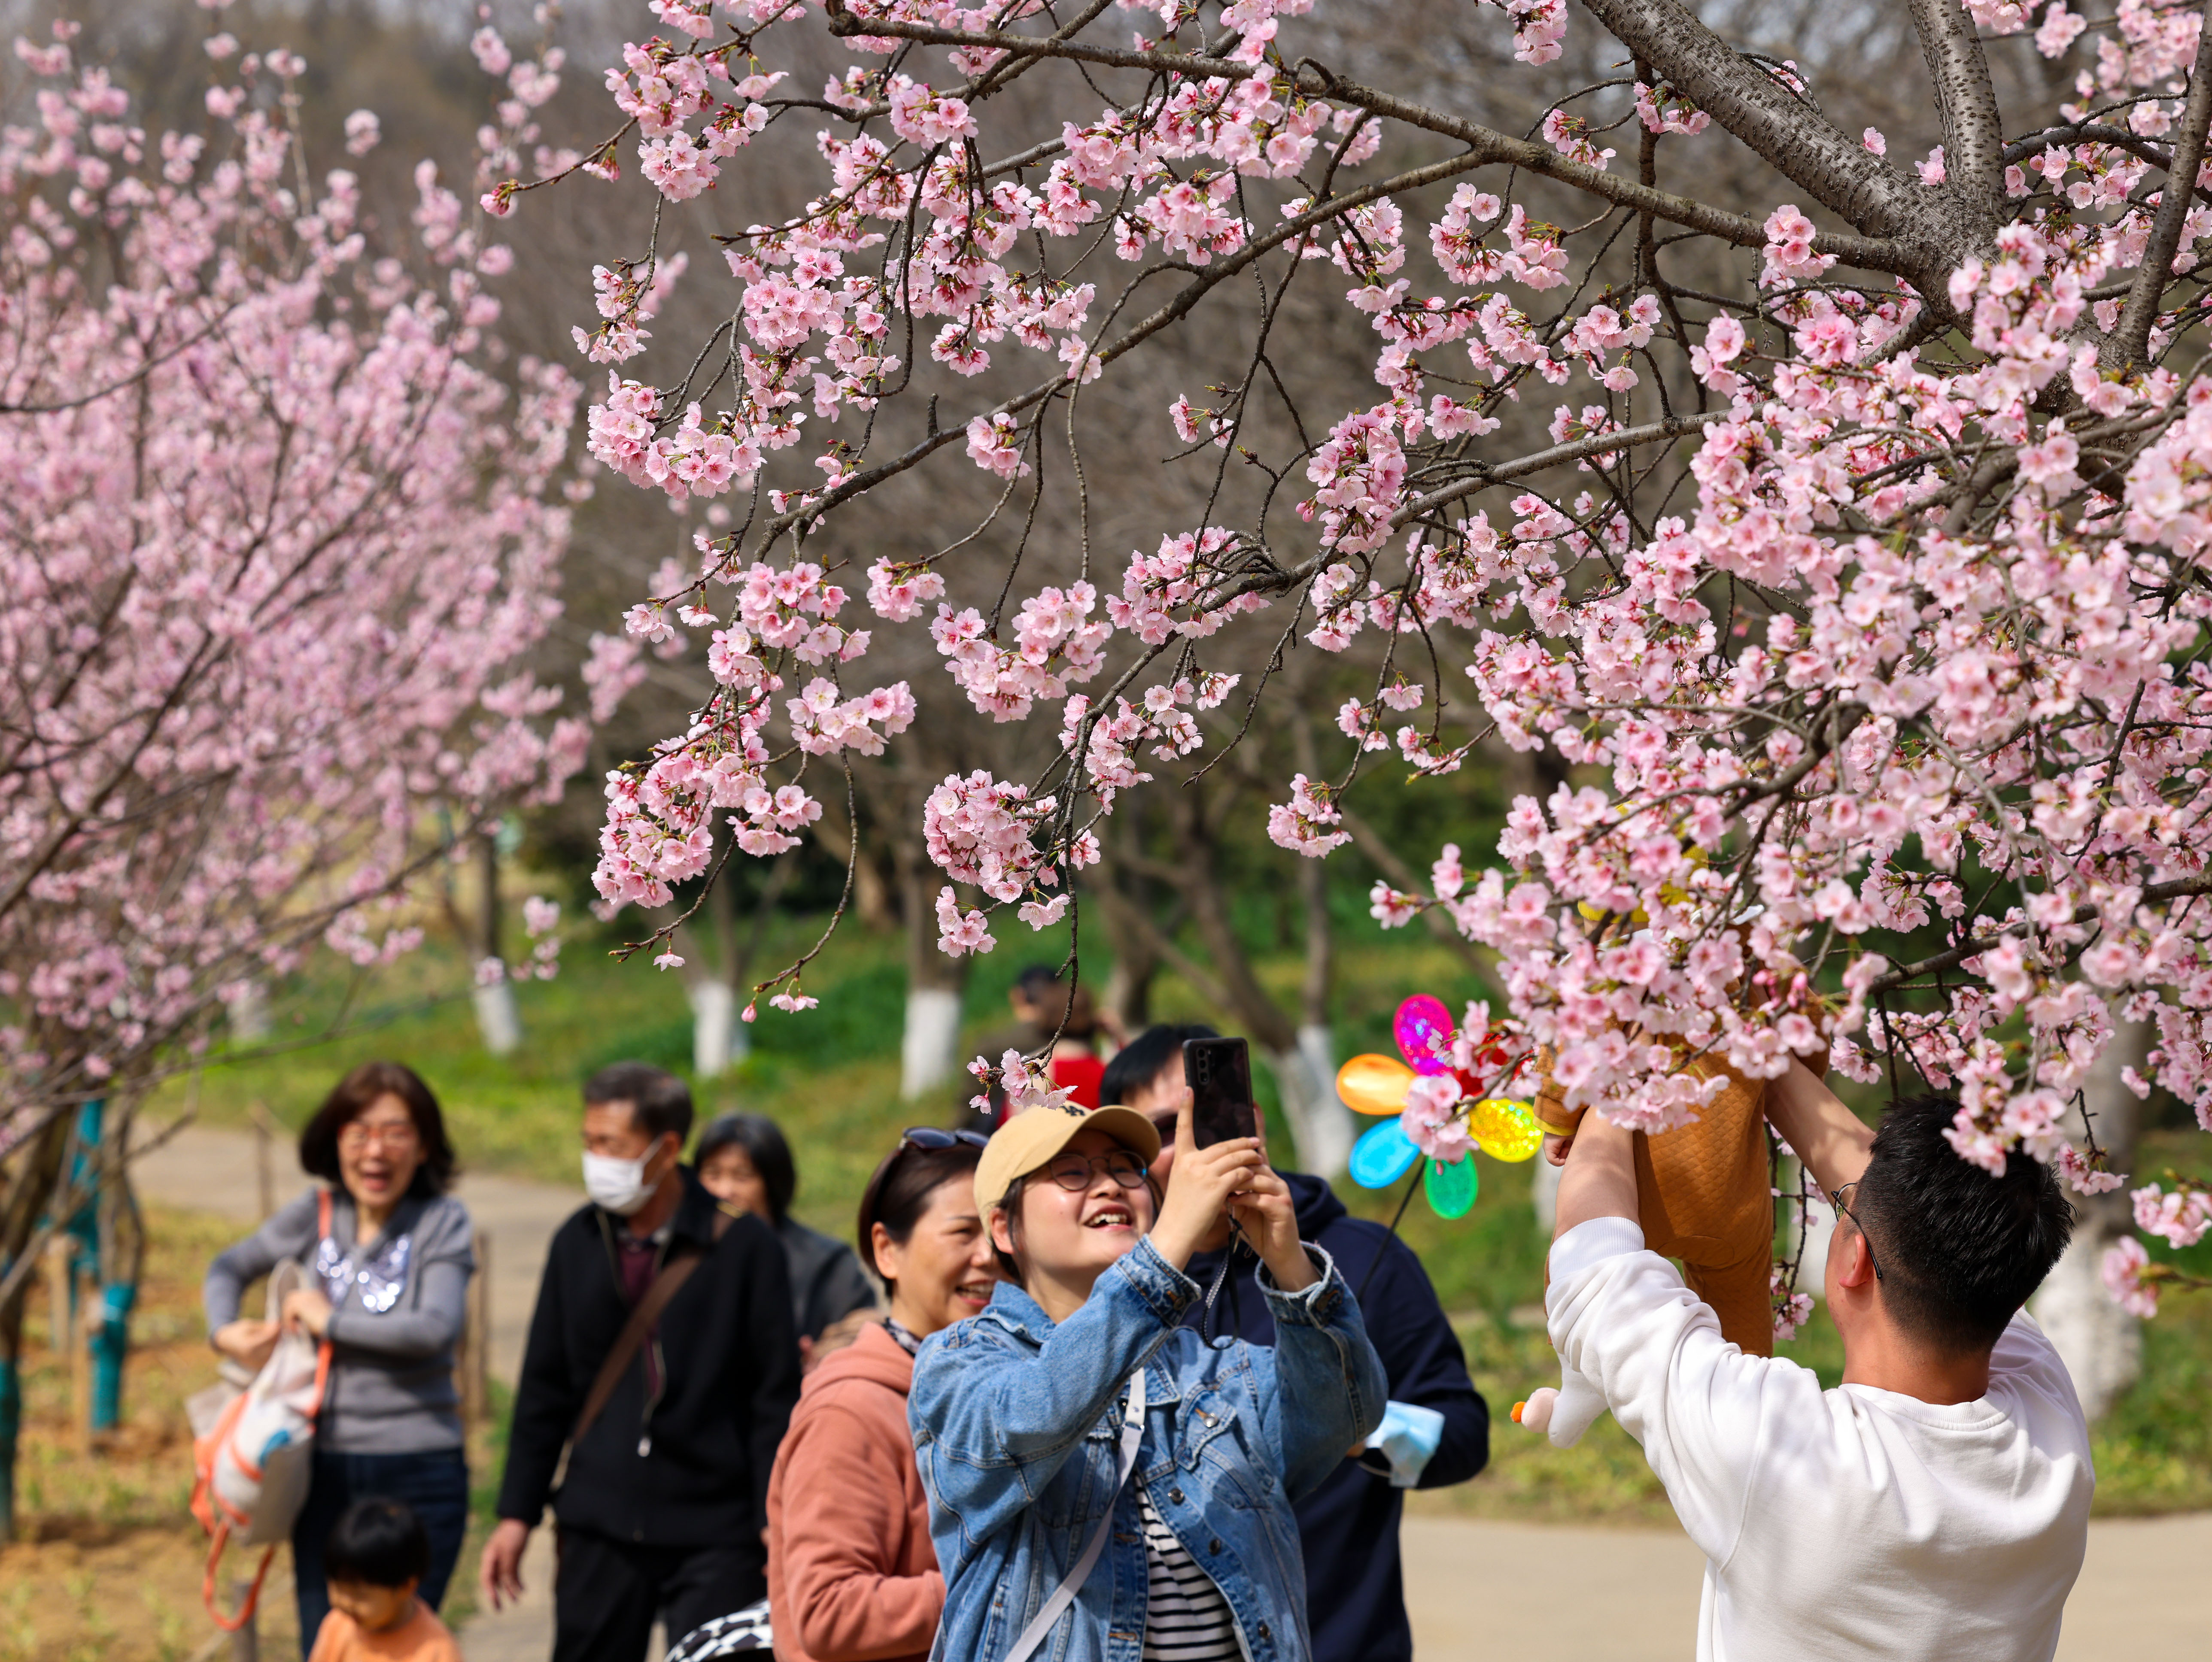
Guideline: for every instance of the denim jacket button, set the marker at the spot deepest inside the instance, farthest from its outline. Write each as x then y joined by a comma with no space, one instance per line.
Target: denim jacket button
1175,1494
1263,1632
1214,1546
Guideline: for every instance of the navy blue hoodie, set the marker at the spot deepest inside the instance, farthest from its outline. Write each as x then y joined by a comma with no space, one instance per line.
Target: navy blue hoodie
1355,1591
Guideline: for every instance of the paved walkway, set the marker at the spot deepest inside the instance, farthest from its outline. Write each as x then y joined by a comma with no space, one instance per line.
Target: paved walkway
1477,1592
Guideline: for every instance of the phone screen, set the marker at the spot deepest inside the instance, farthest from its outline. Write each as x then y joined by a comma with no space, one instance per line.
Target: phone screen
1219,1074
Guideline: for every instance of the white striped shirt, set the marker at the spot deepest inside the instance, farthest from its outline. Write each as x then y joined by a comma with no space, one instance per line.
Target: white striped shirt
1186,1618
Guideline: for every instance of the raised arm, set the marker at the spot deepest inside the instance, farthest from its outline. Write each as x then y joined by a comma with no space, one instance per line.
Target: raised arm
1833,1141
1329,1389
982,1403
1600,1178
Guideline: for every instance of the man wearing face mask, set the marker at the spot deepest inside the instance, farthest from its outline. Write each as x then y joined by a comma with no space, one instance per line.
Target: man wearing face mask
660,1372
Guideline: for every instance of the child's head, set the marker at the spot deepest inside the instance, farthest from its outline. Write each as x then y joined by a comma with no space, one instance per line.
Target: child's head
373,1561
1957,1248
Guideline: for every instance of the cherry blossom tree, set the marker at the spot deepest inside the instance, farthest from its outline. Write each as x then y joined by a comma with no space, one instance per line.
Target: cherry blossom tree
278,535
1845,548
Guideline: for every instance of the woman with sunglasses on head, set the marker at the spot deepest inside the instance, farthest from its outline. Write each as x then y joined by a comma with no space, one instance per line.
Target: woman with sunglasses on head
852,1574
1097,1470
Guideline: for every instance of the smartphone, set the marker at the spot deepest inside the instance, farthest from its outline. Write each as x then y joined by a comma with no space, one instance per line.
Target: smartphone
1219,1074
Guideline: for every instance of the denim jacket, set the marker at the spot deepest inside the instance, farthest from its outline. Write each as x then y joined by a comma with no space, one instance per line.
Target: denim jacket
1017,1425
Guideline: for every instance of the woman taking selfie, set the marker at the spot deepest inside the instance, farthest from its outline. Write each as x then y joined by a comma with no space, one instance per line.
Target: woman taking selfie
851,1572
1094,1468
387,1286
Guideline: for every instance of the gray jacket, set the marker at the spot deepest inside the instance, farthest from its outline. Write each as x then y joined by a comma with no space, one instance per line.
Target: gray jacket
393,1325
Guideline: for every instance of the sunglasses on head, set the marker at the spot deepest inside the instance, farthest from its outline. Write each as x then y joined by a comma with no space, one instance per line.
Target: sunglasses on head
930,1138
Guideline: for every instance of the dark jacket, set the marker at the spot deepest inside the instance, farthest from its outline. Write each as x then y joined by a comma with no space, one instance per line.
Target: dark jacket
1355,1591
827,1282
690,1468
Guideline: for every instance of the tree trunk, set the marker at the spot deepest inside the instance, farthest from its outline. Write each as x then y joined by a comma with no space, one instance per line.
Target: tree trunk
929,1047
498,1021
1325,1130
2101,1343
28,1190
718,1039
1127,994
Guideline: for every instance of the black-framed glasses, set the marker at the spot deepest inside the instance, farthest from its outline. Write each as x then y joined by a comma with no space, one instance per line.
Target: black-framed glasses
930,1138
1074,1172
1836,1200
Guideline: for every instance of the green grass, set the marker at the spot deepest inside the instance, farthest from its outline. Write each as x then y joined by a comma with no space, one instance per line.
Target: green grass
830,1078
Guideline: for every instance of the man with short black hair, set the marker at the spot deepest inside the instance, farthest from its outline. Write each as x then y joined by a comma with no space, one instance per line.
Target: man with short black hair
1355,1585
662,1357
1933,1506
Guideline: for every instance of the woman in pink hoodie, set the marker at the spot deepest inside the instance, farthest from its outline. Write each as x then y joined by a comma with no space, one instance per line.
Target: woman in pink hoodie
851,1575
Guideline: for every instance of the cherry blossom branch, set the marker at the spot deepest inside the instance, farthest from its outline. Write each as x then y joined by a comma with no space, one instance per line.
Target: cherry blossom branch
2130,341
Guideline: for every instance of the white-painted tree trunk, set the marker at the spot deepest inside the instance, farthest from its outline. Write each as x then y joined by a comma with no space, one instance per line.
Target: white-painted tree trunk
929,1050
2101,1343
718,1038
1305,1079
498,1020
248,1012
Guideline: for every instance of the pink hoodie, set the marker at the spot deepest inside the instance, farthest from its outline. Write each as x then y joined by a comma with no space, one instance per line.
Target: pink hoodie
851,1574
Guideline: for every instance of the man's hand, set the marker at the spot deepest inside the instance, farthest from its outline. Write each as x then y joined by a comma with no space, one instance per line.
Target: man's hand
499,1571
1600,1178
246,1343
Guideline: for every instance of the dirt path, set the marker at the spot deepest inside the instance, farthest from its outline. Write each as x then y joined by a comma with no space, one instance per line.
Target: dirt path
1476,1591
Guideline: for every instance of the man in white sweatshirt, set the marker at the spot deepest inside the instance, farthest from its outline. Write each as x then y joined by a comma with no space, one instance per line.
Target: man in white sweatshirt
1935,1505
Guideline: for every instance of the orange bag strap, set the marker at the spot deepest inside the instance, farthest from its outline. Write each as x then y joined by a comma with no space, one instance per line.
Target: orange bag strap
253,1600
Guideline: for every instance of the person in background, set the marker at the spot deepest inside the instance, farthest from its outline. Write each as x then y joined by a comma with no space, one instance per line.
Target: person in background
746,1164
1355,1597
1075,1436
851,1574
389,1291
374,1562
1048,1012
662,1510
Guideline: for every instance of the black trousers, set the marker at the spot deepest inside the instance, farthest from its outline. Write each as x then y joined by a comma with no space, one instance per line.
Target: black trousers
435,1482
606,1592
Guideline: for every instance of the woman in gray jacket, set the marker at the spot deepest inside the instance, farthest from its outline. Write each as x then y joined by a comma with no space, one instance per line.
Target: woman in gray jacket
388,1289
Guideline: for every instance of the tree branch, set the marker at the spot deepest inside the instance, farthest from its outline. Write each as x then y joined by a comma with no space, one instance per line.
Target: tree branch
1875,195
1597,444
1973,132
1491,147
2130,342
2179,888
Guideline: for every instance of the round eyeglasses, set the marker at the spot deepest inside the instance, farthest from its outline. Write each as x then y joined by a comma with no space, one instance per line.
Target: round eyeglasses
1074,1172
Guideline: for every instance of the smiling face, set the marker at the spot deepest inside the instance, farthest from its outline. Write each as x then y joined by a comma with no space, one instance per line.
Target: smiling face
945,1270
380,1151
1068,1237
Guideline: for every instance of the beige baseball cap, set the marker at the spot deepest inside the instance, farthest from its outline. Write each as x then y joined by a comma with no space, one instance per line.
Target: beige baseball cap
1033,1136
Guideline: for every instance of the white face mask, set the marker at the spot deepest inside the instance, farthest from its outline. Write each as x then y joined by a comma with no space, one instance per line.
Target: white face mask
617,1184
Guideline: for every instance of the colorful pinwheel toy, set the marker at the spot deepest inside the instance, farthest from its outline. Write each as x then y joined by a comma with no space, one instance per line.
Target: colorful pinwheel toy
1438,1111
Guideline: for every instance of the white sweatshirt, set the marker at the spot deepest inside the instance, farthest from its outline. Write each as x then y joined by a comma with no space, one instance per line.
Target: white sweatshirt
1851,1523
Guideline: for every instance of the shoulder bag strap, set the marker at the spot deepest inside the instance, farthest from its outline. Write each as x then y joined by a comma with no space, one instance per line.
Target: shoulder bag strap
674,1269
1132,1432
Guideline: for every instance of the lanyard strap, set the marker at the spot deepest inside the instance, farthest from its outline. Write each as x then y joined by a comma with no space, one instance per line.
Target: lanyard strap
1132,1431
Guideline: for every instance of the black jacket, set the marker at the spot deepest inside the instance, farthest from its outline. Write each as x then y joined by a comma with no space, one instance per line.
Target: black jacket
729,1363
1355,1591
